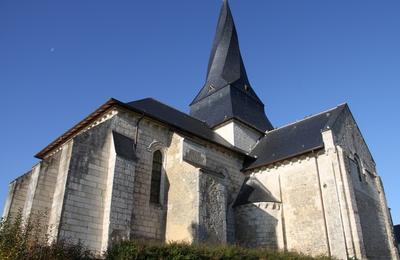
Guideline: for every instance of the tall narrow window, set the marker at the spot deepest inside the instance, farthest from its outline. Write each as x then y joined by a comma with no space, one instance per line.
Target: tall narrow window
356,167
156,178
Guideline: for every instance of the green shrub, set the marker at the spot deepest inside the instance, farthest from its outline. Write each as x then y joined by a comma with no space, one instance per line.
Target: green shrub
181,251
25,240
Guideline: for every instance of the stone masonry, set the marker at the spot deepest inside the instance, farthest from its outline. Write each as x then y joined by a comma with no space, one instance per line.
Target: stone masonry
222,174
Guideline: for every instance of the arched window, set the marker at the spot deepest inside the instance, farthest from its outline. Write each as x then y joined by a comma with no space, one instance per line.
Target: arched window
358,165
156,178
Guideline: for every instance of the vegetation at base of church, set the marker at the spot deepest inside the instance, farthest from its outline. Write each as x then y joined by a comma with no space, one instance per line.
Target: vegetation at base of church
136,250
24,240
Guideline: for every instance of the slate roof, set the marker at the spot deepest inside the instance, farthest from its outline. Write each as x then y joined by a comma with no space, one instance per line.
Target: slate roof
178,120
252,191
294,139
397,233
124,146
225,65
151,108
227,92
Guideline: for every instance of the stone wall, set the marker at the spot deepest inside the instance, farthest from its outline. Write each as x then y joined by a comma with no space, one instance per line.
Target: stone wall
94,195
17,194
224,169
260,225
303,207
118,214
44,191
30,194
309,218
230,165
203,183
372,212
59,192
239,135
82,215
183,195
148,219
212,208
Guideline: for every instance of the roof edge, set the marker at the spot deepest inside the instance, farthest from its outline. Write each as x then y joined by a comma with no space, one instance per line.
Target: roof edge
231,119
108,105
308,117
314,149
77,127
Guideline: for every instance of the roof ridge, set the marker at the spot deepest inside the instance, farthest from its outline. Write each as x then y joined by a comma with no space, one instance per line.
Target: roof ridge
169,106
307,117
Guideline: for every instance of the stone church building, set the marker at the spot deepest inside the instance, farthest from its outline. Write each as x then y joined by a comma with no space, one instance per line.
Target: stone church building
220,174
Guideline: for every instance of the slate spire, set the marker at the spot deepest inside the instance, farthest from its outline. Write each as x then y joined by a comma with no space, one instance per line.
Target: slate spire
227,92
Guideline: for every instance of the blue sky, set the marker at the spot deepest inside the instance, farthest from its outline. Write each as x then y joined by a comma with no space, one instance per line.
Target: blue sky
60,60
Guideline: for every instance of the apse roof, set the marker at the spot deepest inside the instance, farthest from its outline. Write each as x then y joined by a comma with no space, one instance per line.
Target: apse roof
293,139
253,191
124,146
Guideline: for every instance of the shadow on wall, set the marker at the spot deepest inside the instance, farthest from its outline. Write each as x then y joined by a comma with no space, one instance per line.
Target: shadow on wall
257,224
163,221
148,219
201,234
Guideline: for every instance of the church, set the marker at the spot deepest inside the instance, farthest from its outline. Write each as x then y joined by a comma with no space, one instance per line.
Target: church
222,174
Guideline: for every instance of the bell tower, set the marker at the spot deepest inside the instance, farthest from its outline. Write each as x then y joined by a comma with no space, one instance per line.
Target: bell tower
227,102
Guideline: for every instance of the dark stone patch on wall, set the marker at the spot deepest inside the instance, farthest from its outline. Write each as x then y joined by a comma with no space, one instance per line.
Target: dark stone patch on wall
212,212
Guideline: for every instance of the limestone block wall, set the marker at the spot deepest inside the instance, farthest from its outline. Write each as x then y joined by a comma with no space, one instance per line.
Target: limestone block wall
303,211
118,197
99,194
119,204
183,195
59,191
30,194
17,195
82,215
260,225
310,206
43,192
37,193
225,169
371,213
239,135
230,165
148,219
203,183
337,227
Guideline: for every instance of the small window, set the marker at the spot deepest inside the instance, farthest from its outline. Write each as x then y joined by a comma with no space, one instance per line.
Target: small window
356,167
156,178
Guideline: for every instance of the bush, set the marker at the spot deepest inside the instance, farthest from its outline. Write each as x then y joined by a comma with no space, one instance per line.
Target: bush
150,250
25,240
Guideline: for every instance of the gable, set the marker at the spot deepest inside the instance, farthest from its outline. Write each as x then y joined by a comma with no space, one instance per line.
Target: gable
348,135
